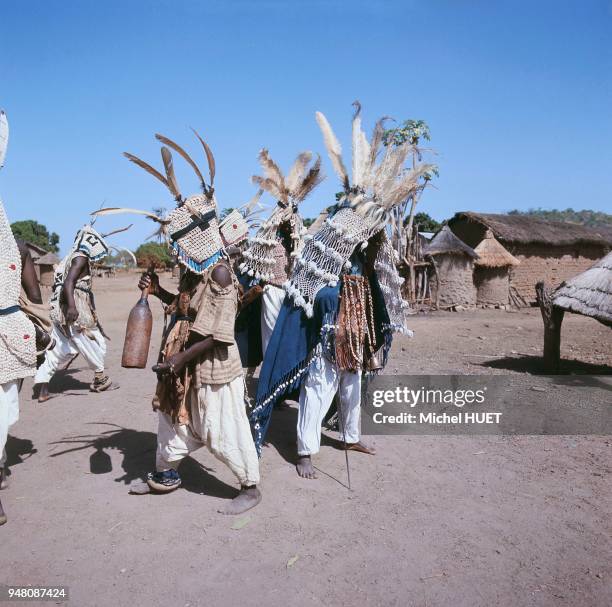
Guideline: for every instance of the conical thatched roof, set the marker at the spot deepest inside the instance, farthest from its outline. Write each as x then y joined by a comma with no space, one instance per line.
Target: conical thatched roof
445,242
589,293
491,254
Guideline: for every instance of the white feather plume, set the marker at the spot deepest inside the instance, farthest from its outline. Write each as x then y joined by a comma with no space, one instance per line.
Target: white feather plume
361,150
334,149
296,173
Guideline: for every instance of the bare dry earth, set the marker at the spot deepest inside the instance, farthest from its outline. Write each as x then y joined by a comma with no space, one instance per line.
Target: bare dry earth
431,521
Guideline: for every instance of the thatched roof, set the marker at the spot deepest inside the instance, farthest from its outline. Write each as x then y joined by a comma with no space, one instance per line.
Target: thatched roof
589,293
318,222
48,259
491,254
526,229
445,242
35,250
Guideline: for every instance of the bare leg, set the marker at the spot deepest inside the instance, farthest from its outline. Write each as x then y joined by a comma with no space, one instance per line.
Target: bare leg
305,468
248,498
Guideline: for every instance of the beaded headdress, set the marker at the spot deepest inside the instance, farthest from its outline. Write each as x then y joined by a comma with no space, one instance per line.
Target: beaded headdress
289,192
192,229
364,208
90,243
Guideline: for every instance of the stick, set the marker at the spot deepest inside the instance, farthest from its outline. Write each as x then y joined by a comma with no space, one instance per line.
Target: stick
341,418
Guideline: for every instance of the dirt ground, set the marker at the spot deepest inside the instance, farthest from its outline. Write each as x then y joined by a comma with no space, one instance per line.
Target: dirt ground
457,521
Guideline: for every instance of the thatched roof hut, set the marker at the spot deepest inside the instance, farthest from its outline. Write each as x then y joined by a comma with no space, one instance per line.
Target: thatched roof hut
45,266
548,250
589,293
452,282
492,272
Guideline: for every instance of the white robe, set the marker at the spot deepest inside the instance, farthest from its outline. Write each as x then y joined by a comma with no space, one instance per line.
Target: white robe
324,379
90,344
219,422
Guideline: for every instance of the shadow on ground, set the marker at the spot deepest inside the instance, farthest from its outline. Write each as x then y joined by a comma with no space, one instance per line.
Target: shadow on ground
18,450
63,381
535,365
138,451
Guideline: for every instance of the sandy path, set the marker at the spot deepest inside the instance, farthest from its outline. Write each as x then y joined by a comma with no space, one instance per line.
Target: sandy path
431,521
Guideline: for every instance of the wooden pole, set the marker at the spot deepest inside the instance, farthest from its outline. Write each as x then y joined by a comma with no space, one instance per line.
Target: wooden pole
552,317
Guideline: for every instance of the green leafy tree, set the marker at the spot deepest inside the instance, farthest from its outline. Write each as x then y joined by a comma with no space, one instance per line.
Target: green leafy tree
412,132
308,221
585,217
37,234
225,212
425,222
153,254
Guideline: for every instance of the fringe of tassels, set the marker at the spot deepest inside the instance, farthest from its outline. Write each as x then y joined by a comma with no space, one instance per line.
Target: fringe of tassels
195,266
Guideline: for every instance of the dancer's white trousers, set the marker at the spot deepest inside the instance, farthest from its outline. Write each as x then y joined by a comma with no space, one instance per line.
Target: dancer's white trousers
219,422
324,379
271,304
91,347
9,413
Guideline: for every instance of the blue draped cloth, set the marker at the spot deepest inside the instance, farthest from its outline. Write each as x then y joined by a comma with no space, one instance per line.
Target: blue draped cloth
293,342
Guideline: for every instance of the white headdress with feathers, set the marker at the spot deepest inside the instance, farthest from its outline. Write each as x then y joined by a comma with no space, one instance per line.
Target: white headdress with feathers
289,192
366,204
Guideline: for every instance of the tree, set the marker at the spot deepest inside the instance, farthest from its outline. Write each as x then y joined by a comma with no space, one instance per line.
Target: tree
425,222
36,233
308,221
153,253
411,132
225,212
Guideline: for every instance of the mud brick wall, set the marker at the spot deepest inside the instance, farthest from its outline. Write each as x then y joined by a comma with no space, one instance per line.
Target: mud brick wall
551,263
492,285
456,280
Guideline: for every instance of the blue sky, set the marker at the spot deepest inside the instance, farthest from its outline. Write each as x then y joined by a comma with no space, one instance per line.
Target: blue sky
518,96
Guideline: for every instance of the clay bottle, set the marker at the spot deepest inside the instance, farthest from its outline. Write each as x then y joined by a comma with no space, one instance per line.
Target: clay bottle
138,334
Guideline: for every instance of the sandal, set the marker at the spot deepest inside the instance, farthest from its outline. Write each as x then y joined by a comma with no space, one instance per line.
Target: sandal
101,384
165,481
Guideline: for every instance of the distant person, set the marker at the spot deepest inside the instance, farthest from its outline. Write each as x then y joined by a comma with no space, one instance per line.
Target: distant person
76,329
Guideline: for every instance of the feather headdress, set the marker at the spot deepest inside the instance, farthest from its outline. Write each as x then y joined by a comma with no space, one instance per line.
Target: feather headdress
376,186
193,229
289,191
378,183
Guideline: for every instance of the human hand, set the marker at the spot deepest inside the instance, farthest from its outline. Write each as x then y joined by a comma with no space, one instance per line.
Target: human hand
149,280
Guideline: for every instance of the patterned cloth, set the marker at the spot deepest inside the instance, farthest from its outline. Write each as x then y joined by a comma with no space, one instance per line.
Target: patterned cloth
17,333
83,295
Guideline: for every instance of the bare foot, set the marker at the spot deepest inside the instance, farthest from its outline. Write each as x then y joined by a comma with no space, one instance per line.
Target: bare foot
304,467
361,448
43,393
248,498
3,518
